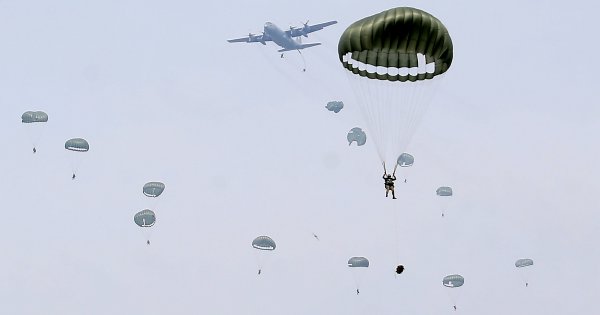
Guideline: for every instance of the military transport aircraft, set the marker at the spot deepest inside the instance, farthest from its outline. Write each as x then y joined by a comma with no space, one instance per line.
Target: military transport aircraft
285,39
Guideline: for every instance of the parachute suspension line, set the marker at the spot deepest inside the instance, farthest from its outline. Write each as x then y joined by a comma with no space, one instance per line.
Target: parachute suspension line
276,67
453,295
362,92
366,110
303,61
425,92
392,111
259,261
34,133
317,93
416,96
396,223
381,98
146,233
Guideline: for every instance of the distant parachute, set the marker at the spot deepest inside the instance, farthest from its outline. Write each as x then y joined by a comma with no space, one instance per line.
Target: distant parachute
453,281
358,262
145,218
335,106
358,135
358,265
77,145
444,191
521,264
406,160
525,262
33,119
153,189
394,60
265,245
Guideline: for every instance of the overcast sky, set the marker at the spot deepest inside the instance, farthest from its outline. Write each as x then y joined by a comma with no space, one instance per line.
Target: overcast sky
245,147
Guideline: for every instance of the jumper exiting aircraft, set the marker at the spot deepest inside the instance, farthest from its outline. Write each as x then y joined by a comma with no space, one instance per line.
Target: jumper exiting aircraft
285,39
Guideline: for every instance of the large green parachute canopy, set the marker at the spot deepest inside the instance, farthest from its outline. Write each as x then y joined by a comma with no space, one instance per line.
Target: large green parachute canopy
358,262
264,243
406,160
153,189
397,45
524,262
358,135
444,191
34,117
395,60
145,218
77,144
453,281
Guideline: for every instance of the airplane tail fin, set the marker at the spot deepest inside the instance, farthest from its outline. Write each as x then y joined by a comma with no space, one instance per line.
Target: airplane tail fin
300,47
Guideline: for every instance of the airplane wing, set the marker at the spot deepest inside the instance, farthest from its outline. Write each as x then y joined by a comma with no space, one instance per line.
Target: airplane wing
318,27
307,29
251,39
299,47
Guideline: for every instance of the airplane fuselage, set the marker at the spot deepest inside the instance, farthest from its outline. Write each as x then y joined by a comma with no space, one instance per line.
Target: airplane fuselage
279,37
284,38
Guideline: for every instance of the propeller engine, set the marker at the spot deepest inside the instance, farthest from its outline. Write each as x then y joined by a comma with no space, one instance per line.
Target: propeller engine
254,38
304,30
262,38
